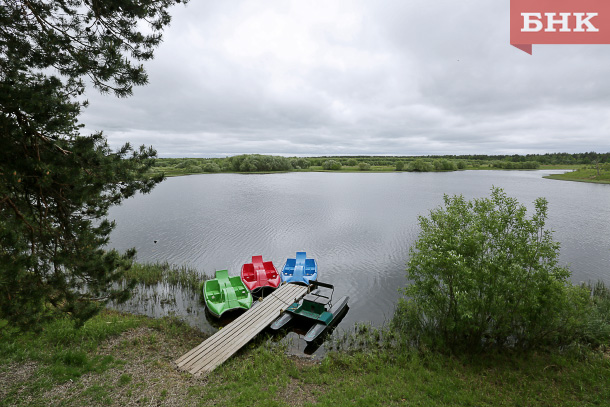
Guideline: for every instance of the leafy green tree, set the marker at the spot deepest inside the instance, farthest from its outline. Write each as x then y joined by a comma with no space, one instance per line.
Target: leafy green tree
352,162
56,185
400,165
211,167
331,165
449,165
299,163
484,275
259,162
364,166
420,165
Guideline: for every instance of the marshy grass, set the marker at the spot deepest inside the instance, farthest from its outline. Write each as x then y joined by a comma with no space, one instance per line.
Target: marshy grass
362,337
596,324
150,274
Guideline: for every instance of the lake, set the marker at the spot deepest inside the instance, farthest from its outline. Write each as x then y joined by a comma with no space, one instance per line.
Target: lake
358,226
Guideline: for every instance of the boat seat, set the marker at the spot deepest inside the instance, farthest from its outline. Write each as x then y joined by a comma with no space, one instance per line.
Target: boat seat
317,298
230,297
300,258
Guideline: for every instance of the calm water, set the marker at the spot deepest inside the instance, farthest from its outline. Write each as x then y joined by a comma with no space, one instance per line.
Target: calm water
358,226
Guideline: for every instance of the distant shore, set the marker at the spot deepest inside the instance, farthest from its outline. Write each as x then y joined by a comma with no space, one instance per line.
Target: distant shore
176,172
583,175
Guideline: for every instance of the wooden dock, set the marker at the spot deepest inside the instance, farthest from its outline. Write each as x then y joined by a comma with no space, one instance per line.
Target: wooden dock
219,347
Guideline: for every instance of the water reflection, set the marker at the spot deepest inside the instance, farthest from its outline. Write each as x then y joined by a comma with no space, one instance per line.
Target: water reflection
163,300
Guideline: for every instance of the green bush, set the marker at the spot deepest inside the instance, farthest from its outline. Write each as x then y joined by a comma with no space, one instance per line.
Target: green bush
211,167
331,165
299,163
364,166
352,162
449,165
420,166
484,275
400,165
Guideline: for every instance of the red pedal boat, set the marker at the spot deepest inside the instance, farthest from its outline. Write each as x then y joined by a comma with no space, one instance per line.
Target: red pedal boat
259,274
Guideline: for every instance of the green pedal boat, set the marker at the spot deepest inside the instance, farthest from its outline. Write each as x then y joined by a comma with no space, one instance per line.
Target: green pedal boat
226,293
317,306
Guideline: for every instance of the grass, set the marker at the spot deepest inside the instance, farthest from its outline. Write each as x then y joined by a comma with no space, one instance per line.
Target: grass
151,274
583,175
93,362
119,359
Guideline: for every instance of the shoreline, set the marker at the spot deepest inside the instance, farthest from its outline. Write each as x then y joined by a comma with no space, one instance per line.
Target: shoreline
558,177
382,170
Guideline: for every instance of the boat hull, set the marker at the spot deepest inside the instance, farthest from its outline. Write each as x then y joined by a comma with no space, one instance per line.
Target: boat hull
319,328
282,321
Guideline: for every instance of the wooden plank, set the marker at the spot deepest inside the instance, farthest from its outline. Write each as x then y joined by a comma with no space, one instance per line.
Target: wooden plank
228,329
223,344
217,349
219,358
223,336
241,333
244,337
273,301
240,336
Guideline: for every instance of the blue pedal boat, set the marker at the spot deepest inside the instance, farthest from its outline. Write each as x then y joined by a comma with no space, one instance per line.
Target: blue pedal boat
300,270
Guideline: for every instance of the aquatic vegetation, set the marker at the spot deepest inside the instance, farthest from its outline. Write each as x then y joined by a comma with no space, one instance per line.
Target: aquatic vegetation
153,273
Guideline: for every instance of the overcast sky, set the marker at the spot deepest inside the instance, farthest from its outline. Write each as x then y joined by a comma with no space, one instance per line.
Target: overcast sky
344,77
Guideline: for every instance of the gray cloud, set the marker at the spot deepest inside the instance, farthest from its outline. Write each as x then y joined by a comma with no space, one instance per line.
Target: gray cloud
356,77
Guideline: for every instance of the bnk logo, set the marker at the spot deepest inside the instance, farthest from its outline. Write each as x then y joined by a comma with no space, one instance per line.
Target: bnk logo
559,22
532,22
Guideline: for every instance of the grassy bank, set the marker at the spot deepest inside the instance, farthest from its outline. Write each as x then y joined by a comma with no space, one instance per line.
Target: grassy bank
584,175
121,359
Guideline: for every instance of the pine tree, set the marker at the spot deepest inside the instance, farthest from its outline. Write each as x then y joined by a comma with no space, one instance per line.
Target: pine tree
57,185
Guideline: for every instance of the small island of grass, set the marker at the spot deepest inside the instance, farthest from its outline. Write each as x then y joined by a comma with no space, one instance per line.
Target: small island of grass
596,174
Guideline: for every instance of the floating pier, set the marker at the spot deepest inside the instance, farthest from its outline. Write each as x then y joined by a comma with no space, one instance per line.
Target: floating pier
223,344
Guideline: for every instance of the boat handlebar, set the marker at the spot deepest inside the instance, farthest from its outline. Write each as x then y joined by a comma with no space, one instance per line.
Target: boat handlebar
320,284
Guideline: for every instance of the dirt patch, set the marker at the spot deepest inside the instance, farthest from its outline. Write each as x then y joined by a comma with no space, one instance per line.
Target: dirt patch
303,361
144,375
14,376
297,393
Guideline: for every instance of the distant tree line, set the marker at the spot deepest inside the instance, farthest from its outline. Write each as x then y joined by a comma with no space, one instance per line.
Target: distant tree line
269,163
238,163
472,159
511,165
